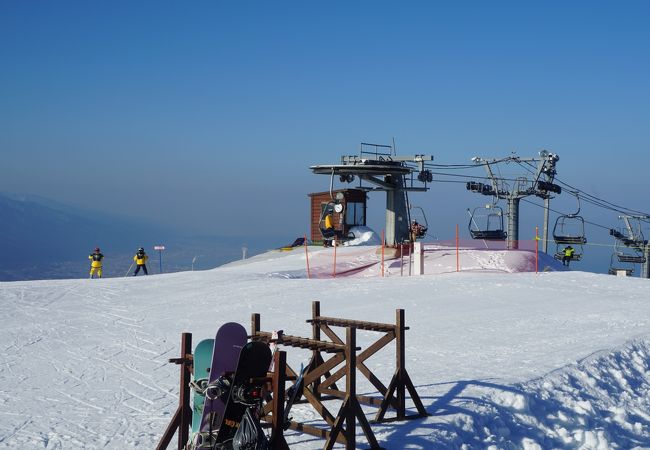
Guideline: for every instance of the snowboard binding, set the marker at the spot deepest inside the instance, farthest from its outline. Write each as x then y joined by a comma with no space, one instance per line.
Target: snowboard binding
218,389
247,394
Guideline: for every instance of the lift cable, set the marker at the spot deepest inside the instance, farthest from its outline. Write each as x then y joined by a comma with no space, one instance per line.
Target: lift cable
575,193
564,214
589,198
584,196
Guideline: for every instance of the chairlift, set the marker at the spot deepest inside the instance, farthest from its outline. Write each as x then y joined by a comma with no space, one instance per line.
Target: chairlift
330,207
629,242
418,228
569,230
628,254
486,223
615,266
630,236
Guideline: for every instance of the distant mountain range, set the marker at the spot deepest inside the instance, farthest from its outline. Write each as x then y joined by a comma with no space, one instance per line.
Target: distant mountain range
43,239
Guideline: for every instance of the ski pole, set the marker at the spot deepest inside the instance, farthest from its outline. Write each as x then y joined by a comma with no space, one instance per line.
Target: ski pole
127,272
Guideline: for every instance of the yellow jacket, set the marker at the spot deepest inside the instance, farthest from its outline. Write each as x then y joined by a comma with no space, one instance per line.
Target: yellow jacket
96,259
328,222
569,252
140,259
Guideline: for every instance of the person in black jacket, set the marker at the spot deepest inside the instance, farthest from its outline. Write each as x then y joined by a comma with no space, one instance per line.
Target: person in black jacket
96,259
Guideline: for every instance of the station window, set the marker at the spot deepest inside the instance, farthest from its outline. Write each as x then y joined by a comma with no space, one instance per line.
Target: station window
355,213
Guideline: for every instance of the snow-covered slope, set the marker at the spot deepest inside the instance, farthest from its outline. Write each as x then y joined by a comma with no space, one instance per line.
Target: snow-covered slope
500,357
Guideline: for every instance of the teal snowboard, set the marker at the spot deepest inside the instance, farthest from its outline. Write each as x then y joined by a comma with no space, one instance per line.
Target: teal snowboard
202,362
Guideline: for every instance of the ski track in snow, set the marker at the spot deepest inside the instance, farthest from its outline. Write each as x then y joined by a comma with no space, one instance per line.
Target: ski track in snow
501,360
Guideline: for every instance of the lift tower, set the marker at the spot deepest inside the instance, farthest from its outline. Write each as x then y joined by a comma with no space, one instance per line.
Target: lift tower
514,190
631,246
378,166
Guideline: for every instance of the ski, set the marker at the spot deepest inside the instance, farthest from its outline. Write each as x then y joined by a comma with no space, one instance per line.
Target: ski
273,345
293,395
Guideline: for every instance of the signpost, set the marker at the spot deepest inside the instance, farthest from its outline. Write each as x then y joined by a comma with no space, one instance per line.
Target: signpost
160,249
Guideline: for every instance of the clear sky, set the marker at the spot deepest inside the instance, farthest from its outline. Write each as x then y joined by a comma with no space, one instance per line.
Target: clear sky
207,115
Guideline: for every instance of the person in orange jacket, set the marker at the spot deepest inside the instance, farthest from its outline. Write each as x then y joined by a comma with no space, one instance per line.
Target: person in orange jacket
96,259
140,262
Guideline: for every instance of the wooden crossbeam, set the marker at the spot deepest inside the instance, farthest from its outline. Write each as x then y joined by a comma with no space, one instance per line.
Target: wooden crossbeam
301,342
358,324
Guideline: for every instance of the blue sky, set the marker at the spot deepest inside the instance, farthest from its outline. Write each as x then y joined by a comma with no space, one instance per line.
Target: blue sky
206,115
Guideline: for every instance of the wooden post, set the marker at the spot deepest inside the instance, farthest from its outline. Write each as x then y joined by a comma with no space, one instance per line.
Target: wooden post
183,416
334,272
307,257
186,377
316,358
401,380
351,411
255,324
350,386
278,441
400,356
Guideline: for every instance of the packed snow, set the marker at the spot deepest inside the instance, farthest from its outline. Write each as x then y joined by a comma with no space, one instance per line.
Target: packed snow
502,356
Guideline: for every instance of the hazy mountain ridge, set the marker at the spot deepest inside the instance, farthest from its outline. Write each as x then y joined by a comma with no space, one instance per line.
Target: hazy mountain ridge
44,239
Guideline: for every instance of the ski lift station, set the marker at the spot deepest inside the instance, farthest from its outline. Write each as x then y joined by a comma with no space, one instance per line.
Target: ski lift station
378,169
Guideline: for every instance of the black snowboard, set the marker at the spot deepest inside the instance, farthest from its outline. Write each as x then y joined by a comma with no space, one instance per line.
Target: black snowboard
254,361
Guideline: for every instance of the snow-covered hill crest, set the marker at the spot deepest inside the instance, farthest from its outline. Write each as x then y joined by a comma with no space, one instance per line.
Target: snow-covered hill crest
500,358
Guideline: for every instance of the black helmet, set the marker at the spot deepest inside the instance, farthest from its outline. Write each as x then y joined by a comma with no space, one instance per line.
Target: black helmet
97,249
141,250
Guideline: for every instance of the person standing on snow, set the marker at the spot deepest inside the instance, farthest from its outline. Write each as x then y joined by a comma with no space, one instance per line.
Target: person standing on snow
140,261
96,263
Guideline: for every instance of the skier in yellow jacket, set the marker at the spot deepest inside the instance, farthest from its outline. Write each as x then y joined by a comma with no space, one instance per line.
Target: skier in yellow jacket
96,263
568,255
140,261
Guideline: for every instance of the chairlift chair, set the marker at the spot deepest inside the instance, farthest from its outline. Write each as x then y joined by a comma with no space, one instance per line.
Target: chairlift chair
634,259
333,207
486,223
569,229
615,268
423,225
628,254
629,242
328,208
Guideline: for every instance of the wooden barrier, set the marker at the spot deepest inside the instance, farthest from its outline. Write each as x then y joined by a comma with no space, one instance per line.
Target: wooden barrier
395,394
343,426
319,381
